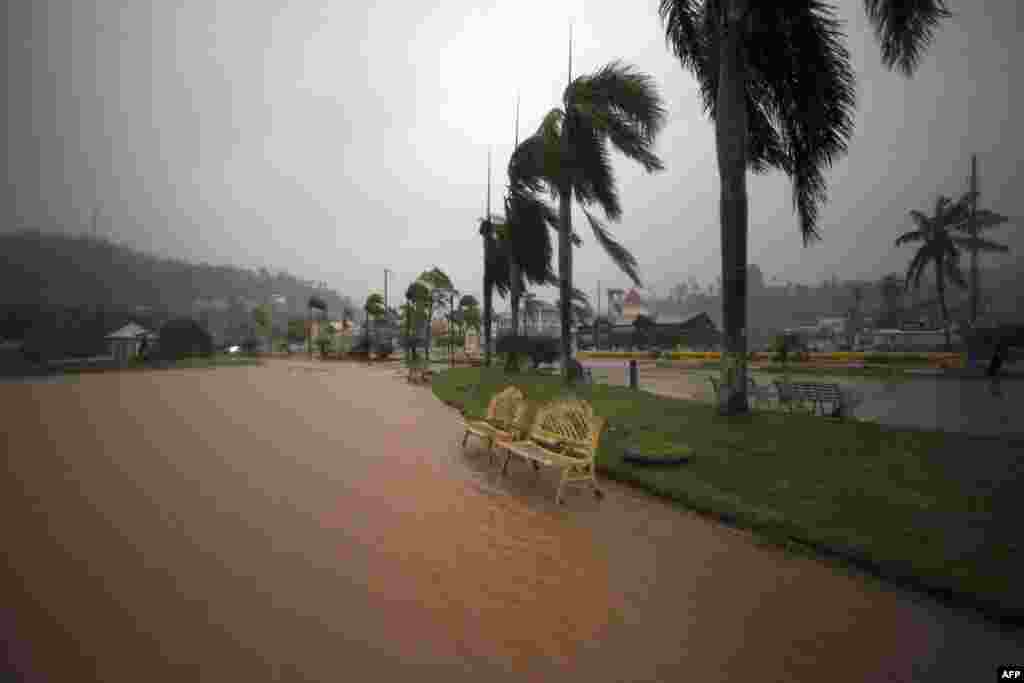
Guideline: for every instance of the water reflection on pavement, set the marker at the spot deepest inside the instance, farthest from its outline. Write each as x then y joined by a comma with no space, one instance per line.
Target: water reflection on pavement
268,523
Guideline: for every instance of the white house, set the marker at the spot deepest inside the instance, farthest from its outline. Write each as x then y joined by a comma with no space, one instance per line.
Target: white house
908,340
125,343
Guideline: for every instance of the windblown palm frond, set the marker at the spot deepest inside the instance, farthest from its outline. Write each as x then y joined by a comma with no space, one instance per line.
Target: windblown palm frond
619,255
911,237
528,239
981,245
905,29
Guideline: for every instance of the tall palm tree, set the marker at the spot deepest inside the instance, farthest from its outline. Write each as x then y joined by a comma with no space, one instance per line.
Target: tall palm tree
496,275
569,157
786,101
939,248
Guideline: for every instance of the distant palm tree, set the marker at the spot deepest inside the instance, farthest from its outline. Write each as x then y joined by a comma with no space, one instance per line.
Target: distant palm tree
417,299
786,101
939,248
496,274
892,288
580,307
568,156
439,285
374,308
314,303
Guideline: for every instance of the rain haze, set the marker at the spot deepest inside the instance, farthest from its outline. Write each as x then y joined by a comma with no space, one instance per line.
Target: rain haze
337,139
227,460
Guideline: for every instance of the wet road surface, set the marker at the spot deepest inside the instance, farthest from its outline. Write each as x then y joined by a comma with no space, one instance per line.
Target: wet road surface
318,522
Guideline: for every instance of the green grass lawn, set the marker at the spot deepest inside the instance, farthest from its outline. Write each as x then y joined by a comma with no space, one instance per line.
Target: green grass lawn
937,511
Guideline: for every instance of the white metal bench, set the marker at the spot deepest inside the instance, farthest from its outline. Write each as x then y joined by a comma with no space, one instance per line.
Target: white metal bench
792,394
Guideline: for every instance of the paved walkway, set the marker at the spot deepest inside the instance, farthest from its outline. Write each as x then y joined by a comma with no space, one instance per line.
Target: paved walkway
319,522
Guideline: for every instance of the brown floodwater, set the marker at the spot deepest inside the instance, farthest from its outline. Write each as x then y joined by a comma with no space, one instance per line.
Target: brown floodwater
305,522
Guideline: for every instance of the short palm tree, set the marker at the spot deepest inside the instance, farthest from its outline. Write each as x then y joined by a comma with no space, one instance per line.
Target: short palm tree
939,248
892,288
439,285
314,303
568,156
786,102
374,308
417,298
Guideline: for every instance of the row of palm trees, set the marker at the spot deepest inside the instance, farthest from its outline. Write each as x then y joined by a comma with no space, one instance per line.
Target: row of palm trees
430,292
776,82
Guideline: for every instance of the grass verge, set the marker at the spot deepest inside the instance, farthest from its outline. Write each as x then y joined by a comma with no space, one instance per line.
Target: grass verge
935,512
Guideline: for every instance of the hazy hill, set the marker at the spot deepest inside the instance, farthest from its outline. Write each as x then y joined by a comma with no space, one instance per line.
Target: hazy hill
59,270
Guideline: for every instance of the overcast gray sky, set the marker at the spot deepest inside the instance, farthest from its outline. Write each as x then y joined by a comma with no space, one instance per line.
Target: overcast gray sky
335,139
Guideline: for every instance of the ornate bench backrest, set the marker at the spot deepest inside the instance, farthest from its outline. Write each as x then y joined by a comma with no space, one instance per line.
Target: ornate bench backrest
504,406
570,422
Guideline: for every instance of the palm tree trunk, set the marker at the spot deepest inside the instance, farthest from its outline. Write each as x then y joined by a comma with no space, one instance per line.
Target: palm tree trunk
514,295
426,332
565,275
488,296
731,142
512,363
940,285
972,230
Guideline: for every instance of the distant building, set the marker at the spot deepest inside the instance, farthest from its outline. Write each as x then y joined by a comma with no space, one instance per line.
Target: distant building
633,307
908,340
692,332
125,343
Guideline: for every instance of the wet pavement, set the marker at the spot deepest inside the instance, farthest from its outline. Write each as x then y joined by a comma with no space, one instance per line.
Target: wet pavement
320,522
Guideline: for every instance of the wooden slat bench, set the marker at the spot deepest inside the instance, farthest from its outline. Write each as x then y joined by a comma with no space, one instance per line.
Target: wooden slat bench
504,410
563,434
817,394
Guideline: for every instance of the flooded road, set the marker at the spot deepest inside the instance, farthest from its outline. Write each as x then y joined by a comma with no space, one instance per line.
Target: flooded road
307,522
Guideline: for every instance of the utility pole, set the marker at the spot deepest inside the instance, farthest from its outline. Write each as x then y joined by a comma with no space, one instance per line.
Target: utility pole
972,230
488,303
386,274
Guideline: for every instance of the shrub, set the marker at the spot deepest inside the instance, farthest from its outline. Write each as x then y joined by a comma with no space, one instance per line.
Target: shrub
251,345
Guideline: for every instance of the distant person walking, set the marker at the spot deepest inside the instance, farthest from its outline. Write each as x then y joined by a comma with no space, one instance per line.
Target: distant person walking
995,366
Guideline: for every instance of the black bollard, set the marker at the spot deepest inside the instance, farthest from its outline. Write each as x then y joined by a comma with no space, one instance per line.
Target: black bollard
634,379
